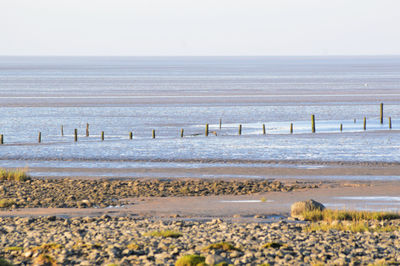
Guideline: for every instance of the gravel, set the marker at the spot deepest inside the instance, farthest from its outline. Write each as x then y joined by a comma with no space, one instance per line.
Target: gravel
73,193
105,239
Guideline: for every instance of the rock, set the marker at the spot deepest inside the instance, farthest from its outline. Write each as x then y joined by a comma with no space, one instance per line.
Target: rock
298,208
214,259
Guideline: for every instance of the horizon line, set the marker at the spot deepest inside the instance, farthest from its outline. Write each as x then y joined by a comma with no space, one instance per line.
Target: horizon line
308,55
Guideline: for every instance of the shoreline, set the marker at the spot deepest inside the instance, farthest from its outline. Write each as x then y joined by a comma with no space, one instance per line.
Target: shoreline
191,198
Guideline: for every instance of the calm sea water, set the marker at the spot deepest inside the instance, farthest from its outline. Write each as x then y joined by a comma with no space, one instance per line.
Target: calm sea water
122,94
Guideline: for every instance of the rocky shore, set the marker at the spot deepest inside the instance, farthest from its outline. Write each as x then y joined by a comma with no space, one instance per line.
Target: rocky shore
74,193
130,241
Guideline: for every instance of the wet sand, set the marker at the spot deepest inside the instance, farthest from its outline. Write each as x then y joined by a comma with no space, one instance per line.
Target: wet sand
239,207
265,96
283,169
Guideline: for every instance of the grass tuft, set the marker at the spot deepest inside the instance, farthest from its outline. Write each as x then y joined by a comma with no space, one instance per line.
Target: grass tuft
13,249
4,262
355,227
165,234
275,245
191,260
14,175
263,199
47,247
344,215
225,246
6,203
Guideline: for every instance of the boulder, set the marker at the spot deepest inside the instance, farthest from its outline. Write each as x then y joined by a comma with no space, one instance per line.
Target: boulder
298,208
214,259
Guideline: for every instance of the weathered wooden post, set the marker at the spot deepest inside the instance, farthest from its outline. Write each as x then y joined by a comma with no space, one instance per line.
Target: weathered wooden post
102,135
130,135
1,139
220,123
390,122
87,129
240,130
154,134
263,129
365,123
206,130
76,135
313,123
381,113
181,132
341,127
40,137
291,128
62,130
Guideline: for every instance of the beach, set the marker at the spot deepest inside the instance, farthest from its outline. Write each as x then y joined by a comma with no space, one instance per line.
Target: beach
100,196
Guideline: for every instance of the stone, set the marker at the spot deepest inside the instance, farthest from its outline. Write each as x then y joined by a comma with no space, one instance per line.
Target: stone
298,208
214,259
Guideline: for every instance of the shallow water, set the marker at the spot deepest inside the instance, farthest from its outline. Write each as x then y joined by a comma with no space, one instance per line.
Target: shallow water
366,203
119,95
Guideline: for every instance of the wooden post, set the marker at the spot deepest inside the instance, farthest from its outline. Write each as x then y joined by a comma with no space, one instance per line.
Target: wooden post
291,128
263,129
365,123
87,130
313,123
1,139
355,120
240,130
220,124
102,135
130,135
206,130
76,135
181,132
40,137
381,113
390,122
62,130
341,127
154,134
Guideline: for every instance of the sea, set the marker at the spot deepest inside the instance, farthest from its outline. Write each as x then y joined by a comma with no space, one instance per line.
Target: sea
119,95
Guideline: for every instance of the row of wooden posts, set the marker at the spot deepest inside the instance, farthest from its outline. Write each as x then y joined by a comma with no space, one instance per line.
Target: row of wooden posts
207,128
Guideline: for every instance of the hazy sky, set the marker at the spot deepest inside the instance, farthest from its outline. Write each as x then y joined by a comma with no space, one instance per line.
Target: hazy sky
203,27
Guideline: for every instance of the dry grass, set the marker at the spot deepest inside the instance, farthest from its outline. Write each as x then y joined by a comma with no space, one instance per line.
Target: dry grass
13,249
344,215
190,260
352,226
47,247
225,246
263,199
14,175
165,234
4,262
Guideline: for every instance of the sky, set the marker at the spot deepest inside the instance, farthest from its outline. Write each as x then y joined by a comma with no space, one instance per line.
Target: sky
199,28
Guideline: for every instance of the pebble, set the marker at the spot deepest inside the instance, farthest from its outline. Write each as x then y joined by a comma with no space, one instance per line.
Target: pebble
104,240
